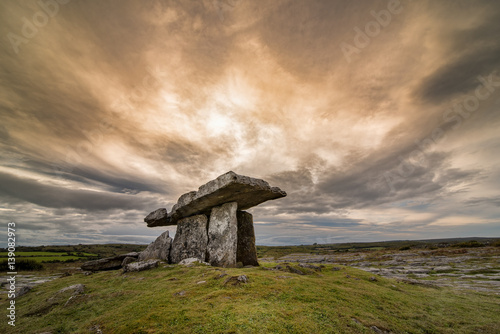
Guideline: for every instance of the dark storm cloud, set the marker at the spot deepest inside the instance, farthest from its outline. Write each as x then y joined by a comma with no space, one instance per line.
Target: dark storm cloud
473,51
495,201
15,190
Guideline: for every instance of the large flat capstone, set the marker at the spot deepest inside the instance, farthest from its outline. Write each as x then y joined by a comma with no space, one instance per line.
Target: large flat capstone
230,187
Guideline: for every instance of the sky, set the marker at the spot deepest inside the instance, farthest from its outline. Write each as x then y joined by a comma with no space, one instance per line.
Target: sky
379,119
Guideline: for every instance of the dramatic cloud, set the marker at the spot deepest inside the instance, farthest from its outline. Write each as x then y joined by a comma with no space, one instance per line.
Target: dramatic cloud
379,118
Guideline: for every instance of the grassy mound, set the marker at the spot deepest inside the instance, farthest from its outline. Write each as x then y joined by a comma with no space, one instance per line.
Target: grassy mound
176,299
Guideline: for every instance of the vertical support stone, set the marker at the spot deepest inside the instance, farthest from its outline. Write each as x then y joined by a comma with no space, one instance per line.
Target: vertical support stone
191,239
246,251
223,235
158,249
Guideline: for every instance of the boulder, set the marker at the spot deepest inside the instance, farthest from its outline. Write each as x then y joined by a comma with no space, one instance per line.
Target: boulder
229,187
141,265
246,252
158,249
190,239
128,260
109,263
223,235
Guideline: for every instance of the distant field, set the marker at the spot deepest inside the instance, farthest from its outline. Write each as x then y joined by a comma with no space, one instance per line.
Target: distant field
41,254
47,257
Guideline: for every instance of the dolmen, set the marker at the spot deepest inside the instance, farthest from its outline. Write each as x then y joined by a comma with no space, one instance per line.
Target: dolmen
212,225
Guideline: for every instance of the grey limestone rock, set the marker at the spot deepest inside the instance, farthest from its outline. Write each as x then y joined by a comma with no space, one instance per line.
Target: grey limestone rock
190,239
128,260
109,263
159,216
229,187
192,261
223,235
141,265
246,252
158,249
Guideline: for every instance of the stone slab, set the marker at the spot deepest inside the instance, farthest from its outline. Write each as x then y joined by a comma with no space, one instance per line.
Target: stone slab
229,187
223,235
108,263
158,249
190,239
246,252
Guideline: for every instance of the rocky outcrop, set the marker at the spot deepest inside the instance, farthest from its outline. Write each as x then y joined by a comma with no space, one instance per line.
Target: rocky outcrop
223,235
109,263
190,239
158,249
246,252
229,187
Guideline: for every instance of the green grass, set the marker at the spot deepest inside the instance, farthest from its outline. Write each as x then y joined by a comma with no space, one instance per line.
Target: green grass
328,302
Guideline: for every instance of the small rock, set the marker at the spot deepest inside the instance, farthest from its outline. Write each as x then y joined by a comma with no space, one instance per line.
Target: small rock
24,290
173,279
95,329
336,268
295,270
180,293
141,265
201,282
236,280
379,331
310,266
77,288
373,279
220,276
191,261
243,278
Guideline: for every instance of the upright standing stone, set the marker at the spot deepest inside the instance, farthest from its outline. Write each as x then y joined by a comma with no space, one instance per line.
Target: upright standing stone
190,239
246,252
158,249
223,235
